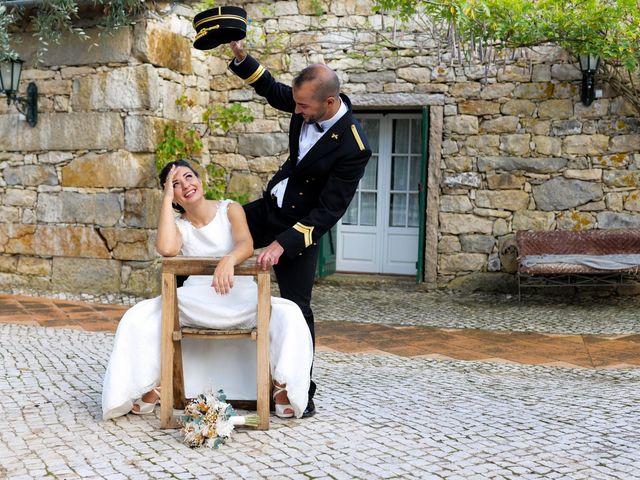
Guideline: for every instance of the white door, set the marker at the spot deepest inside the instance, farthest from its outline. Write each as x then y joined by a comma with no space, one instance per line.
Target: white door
379,231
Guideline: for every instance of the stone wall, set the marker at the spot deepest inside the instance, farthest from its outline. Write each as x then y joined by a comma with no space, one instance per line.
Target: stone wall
518,149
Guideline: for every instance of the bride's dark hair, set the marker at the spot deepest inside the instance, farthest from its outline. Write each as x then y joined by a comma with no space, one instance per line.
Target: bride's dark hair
165,171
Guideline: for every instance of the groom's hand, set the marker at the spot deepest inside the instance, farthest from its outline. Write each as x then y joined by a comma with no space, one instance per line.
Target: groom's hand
270,255
238,50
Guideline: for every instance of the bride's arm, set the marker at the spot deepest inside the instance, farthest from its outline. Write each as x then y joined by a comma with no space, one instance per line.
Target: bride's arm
242,249
168,238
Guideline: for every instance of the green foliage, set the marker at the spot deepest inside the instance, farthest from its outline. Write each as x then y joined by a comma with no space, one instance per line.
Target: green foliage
224,118
179,142
318,9
6,19
479,30
51,19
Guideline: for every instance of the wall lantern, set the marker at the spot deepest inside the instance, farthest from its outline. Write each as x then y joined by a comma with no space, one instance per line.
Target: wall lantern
10,71
588,65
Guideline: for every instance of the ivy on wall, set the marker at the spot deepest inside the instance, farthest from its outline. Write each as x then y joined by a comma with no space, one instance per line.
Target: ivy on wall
181,142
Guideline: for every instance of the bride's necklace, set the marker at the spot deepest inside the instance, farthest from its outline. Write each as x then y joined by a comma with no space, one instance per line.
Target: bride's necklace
196,224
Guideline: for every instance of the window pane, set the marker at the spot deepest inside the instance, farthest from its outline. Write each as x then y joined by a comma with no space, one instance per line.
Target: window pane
400,136
370,179
414,173
351,215
397,213
368,209
414,208
371,127
416,136
399,173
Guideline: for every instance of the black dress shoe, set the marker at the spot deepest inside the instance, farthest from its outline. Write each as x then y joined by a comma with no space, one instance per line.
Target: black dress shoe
310,411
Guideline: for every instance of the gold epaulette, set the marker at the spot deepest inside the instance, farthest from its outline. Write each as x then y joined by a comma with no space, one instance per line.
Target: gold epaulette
306,232
356,135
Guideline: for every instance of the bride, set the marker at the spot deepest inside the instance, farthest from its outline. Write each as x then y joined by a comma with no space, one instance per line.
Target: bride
215,229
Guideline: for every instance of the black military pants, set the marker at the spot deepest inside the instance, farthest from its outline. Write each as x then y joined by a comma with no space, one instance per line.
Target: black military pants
295,275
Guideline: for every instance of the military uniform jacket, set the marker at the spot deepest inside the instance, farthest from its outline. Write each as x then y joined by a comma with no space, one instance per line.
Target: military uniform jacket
322,184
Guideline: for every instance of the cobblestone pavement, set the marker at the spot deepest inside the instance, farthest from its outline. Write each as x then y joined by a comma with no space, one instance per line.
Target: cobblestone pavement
404,304
384,417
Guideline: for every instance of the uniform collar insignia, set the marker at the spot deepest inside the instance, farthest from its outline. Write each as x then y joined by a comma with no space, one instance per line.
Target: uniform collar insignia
334,136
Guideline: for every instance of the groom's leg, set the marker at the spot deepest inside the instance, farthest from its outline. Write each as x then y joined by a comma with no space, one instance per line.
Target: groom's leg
295,279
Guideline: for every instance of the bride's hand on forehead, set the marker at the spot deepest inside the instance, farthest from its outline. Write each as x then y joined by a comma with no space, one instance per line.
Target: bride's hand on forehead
168,183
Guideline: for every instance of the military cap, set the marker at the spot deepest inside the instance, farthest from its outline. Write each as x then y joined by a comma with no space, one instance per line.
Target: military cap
219,25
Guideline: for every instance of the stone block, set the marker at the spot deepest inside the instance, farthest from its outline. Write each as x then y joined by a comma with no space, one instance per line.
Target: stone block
120,169
63,131
514,73
533,220
504,124
466,89
632,201
541,73
535,126
112,48
30,175
520,108
19,197
245,184
86,275
502,199
535,165
143,133
555,109
494,91
621,178
515,144
618,220
576,221
163,48
414,74
618,125
455,223
625,143
142,281
477,243
9,214
127,88
129,243
259,145
535,91
478,107
566,127
598,109
545,145
562,194
449,244
459,163
96,208
455,203
222,144
586,144
54,158
504,181
461,124
9,263
566,72
500,227
482,145
52,240
461,262
231,161
462,180
34,266
142,207
594,174
265,164
397,100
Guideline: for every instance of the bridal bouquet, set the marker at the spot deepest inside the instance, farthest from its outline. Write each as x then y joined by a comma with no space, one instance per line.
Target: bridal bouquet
209,420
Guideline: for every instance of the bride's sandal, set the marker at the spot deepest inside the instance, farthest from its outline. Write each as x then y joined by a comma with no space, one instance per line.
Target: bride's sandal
145,408
283,410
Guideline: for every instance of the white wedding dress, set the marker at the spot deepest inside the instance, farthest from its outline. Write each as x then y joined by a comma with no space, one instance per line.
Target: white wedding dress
134,365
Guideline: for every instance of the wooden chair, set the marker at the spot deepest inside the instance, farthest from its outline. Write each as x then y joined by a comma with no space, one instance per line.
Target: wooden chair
171,379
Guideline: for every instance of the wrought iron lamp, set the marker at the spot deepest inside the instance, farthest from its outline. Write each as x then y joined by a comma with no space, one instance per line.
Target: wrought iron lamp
588,64
10,71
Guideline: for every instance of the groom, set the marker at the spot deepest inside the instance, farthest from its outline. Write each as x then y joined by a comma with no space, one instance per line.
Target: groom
328,153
